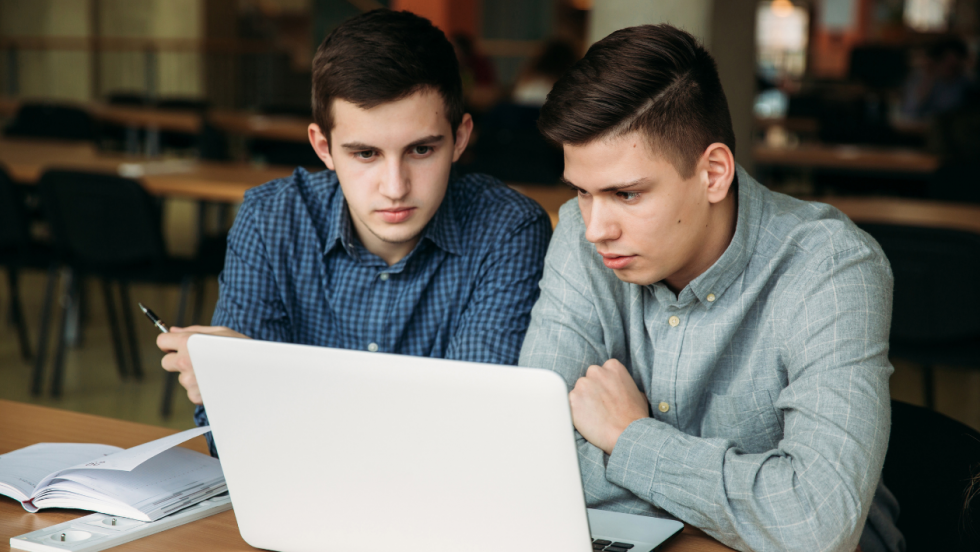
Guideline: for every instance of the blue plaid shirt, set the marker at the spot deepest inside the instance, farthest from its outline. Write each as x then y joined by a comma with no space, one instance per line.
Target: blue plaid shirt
296,272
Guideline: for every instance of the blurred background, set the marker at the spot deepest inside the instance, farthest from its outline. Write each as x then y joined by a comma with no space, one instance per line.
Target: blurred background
871,105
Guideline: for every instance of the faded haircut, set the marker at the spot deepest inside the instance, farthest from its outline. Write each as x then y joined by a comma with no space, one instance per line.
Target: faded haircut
653,79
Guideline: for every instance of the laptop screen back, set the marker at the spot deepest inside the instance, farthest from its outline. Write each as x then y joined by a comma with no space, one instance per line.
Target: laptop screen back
335,449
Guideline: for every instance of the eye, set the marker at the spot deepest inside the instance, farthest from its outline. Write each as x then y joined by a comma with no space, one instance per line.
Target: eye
628,196
421,150
366,154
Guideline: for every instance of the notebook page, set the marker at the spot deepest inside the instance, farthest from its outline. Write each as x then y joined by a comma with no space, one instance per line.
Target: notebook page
132,457
164,479
22,469
127,459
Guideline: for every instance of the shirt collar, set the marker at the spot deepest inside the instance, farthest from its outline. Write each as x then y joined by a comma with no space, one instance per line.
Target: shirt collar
339,229
713,283
442,230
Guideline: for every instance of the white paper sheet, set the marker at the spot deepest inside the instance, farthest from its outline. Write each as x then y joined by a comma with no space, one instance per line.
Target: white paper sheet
132,457
168,478
21,470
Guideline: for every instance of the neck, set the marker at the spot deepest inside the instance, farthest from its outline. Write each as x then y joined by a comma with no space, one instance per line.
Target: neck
723,218
389,252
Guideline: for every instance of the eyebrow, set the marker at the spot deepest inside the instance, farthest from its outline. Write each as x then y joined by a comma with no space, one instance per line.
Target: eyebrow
611,187
421,141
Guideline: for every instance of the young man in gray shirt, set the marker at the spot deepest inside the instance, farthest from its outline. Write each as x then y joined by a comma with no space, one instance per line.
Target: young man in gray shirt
726,347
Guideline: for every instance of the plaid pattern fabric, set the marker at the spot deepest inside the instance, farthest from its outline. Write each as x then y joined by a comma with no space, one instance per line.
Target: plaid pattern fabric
296,272
769,397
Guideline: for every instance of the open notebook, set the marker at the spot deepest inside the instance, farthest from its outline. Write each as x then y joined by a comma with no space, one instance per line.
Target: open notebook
146,482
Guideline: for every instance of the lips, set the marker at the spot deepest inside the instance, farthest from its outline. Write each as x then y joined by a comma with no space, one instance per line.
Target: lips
394,216
616,262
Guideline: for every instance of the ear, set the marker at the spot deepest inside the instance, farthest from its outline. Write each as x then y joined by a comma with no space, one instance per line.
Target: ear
321,145
463,133
717,171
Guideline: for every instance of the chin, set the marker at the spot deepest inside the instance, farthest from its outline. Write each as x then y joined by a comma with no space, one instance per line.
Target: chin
398,235
634,276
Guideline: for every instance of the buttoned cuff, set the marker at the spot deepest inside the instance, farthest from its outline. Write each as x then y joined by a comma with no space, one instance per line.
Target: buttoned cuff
633,462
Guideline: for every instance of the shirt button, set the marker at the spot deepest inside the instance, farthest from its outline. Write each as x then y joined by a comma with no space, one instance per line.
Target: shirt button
373,347
384,276
673,321
663,407
710,297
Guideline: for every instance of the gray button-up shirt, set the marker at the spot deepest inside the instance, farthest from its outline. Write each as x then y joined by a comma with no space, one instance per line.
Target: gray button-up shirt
767,378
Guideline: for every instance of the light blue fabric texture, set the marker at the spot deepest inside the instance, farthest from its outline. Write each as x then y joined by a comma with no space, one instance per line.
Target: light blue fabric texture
776,378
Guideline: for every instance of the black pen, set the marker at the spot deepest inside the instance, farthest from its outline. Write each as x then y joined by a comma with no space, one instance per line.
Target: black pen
153,318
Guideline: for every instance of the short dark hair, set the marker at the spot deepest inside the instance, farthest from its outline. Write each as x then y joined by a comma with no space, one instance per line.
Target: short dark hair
383,56
655,79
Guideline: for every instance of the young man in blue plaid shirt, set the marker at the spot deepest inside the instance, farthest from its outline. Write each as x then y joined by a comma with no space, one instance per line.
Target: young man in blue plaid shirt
385,251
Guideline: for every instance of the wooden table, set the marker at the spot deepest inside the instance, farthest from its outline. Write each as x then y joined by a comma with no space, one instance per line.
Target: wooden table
26,161
22,425
549,197
855,158
175,120
8,106
276,127
272,127
907,212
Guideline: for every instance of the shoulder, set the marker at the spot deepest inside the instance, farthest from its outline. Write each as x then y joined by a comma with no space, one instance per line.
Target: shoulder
277,211
301,187
820,249
813,232
484,204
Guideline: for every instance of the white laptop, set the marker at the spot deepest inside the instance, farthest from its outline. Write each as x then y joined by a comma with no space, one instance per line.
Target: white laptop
330,449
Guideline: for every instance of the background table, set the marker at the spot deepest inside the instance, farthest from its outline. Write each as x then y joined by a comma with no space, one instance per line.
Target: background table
22,425
855,158
26,160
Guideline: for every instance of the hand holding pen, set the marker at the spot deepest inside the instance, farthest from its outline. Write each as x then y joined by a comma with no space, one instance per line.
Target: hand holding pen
173,342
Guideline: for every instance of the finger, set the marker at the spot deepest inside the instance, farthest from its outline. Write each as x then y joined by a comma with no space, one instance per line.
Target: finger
171,341
195,397
592,371
613,364
189,328
169,362
187,380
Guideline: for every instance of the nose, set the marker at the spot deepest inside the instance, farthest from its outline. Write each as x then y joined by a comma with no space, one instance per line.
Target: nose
395,182
600,223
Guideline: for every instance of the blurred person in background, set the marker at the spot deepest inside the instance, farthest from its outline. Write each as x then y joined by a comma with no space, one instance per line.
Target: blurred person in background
941,83
537,78
480,89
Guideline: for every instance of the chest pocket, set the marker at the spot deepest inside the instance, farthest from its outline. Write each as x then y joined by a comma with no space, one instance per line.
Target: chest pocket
748,419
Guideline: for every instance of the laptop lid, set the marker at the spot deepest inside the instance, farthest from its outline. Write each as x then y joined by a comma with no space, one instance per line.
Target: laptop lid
330,449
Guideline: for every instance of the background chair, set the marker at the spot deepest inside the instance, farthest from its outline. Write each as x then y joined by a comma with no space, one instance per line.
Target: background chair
108,227
61,122
929,463
508,146
934,317
955,181
934,251
18,251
